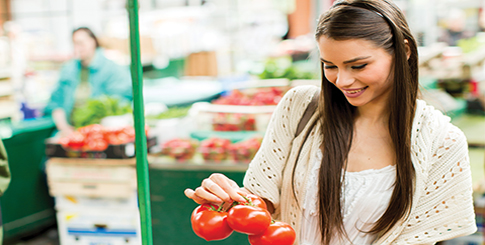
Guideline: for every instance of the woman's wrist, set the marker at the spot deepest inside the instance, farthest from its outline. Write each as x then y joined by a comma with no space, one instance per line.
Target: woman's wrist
59,117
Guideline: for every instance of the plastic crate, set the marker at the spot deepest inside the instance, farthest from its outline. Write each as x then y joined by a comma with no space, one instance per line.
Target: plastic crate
92,226
54,149
211,117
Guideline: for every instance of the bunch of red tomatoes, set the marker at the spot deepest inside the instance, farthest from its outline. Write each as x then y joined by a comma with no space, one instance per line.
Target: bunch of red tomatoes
213,223
95,137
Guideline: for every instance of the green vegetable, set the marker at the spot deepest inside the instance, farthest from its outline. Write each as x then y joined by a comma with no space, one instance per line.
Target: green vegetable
96,109
469,45
284,68
172,112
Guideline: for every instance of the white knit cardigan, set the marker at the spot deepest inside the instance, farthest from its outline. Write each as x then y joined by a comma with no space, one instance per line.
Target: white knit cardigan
442,205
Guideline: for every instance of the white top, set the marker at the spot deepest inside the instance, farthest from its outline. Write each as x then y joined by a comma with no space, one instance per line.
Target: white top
442,206
365,197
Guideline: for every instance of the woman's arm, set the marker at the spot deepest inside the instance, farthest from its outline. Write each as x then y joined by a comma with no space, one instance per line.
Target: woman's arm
60,119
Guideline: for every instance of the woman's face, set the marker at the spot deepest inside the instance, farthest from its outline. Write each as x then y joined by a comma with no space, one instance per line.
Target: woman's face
358,68
84,45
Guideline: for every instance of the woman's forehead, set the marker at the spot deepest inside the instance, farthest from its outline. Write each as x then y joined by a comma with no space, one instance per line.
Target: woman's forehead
81,34
340,50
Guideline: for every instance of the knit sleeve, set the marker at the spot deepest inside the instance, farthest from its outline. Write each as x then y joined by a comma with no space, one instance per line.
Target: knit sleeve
445,208
264,175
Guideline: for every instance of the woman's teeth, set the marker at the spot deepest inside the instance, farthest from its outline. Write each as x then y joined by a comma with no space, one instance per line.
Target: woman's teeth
355,91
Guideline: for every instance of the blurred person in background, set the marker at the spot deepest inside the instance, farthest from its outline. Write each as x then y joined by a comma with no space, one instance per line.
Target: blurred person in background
4,180
89,75
455,28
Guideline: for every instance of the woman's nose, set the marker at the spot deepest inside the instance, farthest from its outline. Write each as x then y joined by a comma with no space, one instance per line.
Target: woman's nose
344,79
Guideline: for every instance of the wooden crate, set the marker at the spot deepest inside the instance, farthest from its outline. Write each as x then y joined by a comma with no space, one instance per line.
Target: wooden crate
91,177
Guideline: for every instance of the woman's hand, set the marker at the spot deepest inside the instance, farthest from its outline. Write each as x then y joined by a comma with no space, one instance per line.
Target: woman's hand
66,131
216,189
59,117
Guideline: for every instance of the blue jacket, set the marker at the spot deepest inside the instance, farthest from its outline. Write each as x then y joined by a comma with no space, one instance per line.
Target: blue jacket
105,78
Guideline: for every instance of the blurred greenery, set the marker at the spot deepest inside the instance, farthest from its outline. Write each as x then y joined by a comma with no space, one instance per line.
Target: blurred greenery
96,109
283,67
173,112
469,45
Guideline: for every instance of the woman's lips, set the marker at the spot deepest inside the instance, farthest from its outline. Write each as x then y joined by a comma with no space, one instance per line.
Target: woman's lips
354,92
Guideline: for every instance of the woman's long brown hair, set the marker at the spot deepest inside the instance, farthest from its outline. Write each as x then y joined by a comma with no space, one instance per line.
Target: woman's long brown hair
383,24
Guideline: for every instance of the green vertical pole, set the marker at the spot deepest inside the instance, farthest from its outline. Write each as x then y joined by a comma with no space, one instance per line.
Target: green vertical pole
139,115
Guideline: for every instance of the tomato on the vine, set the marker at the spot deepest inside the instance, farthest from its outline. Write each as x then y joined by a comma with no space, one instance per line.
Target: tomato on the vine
254,200
278,233
76,141
210,223
248,219
91,129
97,145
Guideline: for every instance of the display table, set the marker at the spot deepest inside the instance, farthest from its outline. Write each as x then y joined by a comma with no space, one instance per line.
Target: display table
171,210
26,205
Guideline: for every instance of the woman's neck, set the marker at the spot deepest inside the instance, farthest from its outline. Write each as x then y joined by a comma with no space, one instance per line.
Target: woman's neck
373,114
87,61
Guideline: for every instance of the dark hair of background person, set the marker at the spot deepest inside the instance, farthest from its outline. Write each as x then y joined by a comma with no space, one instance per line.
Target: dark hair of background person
89,32
382,23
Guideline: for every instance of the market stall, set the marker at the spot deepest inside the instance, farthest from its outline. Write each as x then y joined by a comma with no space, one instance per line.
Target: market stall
207,80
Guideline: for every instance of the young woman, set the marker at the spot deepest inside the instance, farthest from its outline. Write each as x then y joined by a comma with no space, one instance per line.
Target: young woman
374,165
89,75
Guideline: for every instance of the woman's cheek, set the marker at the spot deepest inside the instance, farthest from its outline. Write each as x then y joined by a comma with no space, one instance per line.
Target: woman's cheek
331,77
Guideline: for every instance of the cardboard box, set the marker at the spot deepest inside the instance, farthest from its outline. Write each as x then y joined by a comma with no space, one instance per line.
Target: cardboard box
201,64
122,45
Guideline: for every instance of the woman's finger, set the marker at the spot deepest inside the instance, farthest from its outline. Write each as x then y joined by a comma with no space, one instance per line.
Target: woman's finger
201,192
216,189
228,186
191,194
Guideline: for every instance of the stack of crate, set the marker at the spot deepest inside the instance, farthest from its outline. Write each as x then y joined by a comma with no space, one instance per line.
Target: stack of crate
10,108
96,200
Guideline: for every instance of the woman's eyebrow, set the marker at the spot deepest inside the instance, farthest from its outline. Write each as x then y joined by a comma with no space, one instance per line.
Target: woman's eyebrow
348,61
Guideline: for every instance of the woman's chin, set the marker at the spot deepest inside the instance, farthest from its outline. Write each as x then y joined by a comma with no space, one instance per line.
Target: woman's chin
356,102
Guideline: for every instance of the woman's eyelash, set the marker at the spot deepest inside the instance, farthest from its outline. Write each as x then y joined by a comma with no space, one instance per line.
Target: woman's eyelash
353,67
359,67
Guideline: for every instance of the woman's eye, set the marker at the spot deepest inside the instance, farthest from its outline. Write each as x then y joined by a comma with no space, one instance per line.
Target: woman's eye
330,67
359,67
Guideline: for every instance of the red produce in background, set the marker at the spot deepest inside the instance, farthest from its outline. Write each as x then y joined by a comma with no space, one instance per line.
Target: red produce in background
97,138
214,149
245,151
180,149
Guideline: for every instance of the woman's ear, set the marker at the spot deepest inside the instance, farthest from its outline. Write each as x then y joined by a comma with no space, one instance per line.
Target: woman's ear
408,49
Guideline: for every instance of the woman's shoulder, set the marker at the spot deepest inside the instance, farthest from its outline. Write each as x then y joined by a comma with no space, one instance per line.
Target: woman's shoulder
434,131
296,100
71,65
432,121
301,93
101,61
